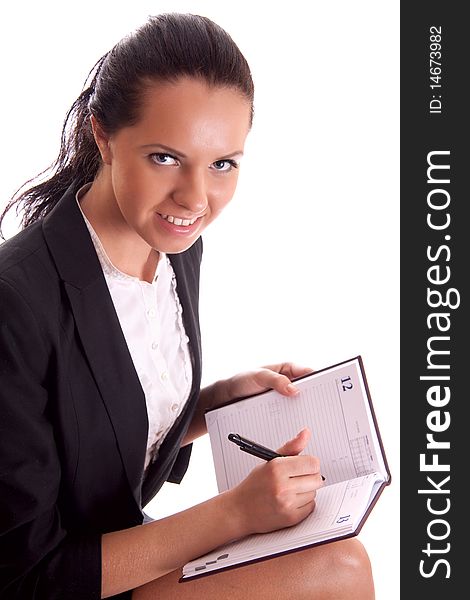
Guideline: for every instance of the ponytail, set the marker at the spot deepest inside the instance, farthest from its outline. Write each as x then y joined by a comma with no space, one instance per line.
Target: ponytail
78,160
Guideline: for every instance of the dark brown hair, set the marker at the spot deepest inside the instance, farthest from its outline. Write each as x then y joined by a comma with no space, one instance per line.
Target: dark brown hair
165,48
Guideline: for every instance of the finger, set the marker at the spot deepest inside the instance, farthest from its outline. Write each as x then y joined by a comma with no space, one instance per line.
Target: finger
291,370
271,379
297,444
306,509
305,484
306,498
294,466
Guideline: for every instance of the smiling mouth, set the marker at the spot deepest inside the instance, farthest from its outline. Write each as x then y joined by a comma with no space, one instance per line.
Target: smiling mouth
178,221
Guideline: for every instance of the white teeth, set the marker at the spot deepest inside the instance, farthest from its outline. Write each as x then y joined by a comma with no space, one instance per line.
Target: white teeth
178,221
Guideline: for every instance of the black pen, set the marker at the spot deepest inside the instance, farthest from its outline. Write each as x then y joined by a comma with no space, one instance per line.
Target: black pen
254,448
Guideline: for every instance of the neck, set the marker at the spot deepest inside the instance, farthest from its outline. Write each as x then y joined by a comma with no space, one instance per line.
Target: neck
124,247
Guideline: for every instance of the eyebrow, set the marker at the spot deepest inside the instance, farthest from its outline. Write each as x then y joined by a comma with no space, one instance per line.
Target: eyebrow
182,155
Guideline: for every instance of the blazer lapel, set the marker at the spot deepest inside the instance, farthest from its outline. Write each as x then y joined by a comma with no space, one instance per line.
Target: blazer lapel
186,266
98,326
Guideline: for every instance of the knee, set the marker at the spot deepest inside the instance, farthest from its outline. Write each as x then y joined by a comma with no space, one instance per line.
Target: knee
350,571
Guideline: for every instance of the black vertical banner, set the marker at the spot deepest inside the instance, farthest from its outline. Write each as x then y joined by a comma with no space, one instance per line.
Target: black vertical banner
435,315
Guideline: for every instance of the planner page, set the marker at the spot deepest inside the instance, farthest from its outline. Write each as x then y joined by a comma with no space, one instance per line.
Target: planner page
338,511
333,403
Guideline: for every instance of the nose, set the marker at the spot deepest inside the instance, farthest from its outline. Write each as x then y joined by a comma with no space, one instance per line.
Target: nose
191,191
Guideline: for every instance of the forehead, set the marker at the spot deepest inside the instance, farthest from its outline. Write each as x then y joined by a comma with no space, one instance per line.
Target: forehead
189,114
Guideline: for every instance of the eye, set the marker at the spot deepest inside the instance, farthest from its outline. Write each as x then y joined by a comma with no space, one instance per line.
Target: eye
225,165
163,159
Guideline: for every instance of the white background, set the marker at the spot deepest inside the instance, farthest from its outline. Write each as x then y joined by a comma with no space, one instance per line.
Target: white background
303,265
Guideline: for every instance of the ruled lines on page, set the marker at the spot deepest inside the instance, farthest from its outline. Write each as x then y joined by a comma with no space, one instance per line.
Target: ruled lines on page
339,508
331,404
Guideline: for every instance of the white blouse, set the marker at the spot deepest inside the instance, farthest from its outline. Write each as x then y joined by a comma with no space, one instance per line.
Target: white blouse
150,315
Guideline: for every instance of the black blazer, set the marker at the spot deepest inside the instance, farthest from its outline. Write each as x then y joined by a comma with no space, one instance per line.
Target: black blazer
73,421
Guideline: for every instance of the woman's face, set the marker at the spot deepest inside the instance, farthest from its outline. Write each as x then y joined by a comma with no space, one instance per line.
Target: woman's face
173,172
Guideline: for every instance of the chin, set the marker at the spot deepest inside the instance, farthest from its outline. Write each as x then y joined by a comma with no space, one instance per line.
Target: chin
175,248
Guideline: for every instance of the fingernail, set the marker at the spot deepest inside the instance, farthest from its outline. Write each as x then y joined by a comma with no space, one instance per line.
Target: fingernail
292,389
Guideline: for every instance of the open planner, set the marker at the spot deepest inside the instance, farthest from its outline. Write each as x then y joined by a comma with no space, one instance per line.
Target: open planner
335,404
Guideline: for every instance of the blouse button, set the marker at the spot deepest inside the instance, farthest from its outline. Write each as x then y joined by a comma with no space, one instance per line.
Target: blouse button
151,313
174,407
164,376
154,345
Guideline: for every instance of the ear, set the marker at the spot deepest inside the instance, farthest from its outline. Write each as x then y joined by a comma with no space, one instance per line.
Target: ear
102,140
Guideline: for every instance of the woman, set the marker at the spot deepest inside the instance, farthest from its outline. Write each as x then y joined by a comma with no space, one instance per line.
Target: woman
100,345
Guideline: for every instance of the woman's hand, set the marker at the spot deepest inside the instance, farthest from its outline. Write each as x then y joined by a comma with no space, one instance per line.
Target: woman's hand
278,377
279,493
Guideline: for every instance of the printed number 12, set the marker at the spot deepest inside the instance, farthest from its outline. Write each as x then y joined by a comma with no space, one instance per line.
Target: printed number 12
346,385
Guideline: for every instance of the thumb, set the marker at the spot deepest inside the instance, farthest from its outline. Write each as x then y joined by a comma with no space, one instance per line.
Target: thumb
297,444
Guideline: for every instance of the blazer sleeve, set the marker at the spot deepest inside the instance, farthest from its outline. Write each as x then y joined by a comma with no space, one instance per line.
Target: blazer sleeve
38,558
